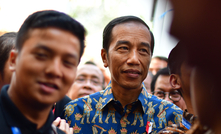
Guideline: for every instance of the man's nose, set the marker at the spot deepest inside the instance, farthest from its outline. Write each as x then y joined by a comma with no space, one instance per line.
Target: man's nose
167,98
133,58
88,84
54,68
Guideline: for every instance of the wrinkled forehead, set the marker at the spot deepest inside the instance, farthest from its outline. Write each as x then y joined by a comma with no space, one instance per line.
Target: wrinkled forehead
89,70
155,62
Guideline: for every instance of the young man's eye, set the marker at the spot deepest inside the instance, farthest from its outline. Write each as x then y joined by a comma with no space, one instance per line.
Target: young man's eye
69,63
41,55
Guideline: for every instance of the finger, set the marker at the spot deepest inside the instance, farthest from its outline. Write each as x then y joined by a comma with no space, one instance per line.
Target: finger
63,125
57,121
71,130
67,128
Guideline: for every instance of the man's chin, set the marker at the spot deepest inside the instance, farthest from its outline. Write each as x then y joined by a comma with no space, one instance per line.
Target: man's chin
132,86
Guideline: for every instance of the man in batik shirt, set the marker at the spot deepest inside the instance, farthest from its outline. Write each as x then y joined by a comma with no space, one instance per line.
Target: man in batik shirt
124,106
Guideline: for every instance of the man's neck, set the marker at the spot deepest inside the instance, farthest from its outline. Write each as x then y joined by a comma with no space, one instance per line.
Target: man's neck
36,113
125,96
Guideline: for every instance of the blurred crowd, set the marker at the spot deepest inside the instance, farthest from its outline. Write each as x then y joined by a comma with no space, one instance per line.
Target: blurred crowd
44,91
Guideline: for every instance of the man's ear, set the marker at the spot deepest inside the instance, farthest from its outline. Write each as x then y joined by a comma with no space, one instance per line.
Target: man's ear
175,81
12,59
104,57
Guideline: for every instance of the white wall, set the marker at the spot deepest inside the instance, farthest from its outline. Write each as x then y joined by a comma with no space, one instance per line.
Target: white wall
164,42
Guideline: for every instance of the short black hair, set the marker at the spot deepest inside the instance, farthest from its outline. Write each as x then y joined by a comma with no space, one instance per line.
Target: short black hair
7,43
107,33
50,18
161,58
163,71
176,57
90,63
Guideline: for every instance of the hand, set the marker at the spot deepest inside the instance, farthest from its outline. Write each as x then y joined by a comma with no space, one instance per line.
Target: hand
61,124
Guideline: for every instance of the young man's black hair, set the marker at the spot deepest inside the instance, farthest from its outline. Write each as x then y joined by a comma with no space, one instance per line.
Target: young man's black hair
50,18
176,58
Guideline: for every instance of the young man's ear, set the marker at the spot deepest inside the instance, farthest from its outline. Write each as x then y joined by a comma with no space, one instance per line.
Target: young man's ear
104,57
175,81
12,59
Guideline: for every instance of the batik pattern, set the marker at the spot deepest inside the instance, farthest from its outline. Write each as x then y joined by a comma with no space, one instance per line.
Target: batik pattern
100,113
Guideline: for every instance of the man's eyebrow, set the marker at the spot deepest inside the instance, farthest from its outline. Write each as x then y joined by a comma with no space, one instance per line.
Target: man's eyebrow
122,42
128,43
145,44
85,75
72,56
81,75
160,89
41,46
95,77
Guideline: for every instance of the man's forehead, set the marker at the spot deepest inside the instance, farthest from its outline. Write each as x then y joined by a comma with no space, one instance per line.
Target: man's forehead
123,30
128,24
131,22
88,69
163,80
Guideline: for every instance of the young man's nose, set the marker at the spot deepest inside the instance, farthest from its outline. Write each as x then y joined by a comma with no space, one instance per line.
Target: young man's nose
54,68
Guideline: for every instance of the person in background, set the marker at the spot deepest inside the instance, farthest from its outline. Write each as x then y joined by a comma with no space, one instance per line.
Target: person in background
147,81
7,43
89,80
124,106
49,46
180,72
198,24
157,63
161,87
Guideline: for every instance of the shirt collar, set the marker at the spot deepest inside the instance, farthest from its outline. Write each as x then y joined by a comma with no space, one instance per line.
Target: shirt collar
14,117
143,97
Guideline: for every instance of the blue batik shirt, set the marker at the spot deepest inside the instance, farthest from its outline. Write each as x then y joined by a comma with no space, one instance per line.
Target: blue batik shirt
100,113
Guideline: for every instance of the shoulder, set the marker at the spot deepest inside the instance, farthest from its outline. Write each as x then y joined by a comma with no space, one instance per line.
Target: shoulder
65,100
162,105
83,99
78,105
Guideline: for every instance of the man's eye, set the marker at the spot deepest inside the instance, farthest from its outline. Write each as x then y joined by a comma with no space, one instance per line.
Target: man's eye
123,48
144,51
41,55
95,81
69,63
80,79
175,93
159,93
